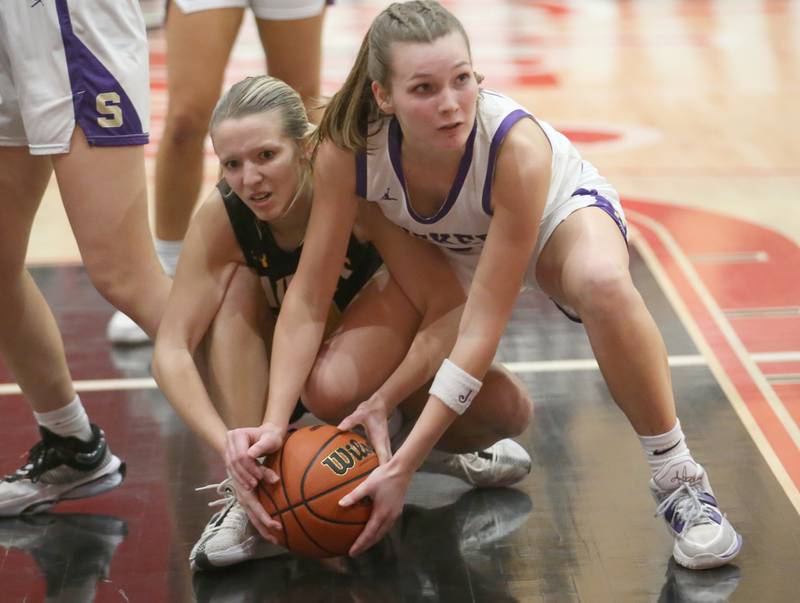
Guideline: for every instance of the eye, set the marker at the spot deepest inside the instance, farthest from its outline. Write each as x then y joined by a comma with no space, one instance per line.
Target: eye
462,78
422,88
268,154
231,164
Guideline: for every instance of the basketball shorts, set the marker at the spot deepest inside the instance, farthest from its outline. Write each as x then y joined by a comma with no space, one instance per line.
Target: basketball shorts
279,10
68,62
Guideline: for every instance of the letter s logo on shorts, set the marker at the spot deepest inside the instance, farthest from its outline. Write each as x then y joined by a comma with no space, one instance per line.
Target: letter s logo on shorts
108,106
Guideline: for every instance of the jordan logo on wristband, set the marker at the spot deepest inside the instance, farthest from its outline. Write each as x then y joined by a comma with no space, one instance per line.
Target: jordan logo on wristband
465,398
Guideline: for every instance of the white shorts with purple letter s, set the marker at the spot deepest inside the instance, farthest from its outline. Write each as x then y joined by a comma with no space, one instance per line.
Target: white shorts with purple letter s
68,62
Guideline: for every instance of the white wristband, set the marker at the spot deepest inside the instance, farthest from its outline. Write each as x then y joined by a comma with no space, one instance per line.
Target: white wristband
455,387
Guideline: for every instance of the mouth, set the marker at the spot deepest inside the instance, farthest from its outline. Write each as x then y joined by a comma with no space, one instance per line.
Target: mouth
449,127
260,198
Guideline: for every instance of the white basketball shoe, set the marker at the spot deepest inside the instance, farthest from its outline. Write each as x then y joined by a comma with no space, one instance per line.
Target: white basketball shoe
121,330
704,538
229,537
502,464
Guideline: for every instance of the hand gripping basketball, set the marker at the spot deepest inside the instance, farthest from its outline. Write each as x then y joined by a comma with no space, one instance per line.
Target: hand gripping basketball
317,466
372,415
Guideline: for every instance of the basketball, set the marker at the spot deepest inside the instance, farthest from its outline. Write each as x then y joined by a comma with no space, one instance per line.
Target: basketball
318,465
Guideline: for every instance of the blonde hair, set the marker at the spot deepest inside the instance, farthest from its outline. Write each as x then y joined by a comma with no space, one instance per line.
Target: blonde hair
262,94
352,111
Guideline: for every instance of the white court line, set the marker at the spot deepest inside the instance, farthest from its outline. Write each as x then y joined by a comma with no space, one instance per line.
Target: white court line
94,385
543,366
730,258
588,364
741,409
776,357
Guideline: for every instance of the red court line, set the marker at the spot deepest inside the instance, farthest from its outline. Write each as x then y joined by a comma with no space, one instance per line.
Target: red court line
762,412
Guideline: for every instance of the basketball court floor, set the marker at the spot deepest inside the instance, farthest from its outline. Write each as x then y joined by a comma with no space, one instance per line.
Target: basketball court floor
690,108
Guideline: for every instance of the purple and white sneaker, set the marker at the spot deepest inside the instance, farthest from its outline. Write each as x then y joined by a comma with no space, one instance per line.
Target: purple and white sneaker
704,538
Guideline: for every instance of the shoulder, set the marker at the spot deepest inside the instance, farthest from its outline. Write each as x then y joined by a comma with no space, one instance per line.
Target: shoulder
525,149
212,224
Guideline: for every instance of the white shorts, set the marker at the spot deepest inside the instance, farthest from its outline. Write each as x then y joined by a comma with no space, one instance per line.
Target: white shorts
64,62
594,191
278,10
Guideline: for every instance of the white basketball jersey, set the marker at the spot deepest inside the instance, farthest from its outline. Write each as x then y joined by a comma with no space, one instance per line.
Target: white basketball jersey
462,222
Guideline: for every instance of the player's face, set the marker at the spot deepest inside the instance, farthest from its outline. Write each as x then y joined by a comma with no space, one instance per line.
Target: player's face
433,92
259,162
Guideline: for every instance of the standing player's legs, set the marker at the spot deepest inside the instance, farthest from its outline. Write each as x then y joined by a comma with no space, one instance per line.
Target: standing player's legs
31,347
375,334
112,230
294,54
584,265
30,343
198,47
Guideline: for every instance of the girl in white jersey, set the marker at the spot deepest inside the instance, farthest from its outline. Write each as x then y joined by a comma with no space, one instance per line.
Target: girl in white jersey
514,205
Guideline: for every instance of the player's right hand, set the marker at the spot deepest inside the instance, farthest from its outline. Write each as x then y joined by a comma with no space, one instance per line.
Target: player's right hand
243,448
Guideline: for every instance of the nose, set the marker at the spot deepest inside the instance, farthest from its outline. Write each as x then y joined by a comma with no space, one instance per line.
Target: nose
250,174
447,101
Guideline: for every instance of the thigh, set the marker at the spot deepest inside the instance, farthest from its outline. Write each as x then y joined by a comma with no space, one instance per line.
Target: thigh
372,339
107,208
587,243
294,51
199,44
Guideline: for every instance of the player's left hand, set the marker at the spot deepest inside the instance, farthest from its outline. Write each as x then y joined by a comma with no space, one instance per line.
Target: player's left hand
372,415
387,487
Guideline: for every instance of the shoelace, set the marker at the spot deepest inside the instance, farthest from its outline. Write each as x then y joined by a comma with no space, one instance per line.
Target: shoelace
35,465
228,499
688,505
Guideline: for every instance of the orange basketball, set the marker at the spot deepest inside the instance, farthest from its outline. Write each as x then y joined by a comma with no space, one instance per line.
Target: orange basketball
318,465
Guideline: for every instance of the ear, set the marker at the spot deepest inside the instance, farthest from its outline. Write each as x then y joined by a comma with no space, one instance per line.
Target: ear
383,98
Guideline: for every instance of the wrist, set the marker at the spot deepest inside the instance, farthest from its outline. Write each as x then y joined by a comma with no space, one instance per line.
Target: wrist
279,429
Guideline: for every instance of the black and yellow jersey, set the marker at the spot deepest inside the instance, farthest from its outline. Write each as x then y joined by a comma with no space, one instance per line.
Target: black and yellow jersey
276,266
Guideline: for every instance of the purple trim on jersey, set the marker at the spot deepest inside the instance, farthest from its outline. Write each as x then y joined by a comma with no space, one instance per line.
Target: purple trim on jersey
395,139
361,174
508,121
88,77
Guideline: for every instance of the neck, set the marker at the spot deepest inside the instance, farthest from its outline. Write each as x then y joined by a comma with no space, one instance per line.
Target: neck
290,228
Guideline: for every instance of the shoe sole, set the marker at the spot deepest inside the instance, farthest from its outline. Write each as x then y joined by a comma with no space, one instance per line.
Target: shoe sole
703,562
92,487
247,551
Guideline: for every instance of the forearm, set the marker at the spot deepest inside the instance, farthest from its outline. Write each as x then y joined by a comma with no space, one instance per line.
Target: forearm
295,344
428,430
431,345
179,380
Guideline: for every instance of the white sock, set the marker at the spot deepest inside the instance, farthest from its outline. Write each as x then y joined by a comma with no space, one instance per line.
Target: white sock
664,447
168,253
69,420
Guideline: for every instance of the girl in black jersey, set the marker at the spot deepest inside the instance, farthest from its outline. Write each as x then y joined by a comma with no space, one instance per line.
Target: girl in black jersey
211,357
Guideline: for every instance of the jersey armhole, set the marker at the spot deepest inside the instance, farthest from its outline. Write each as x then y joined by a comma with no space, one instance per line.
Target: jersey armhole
499,135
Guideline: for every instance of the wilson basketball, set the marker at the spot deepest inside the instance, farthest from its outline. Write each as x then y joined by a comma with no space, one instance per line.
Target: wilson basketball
318,465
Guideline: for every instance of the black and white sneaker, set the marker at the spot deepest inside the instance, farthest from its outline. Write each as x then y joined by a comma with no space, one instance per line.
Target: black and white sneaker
60,468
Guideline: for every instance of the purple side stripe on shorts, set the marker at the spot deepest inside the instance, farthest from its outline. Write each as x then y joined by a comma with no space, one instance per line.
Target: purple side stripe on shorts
92,86
604,204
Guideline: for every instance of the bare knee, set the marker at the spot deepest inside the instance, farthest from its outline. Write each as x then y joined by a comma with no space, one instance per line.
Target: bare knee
603,289
510,402
328,392
186,124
